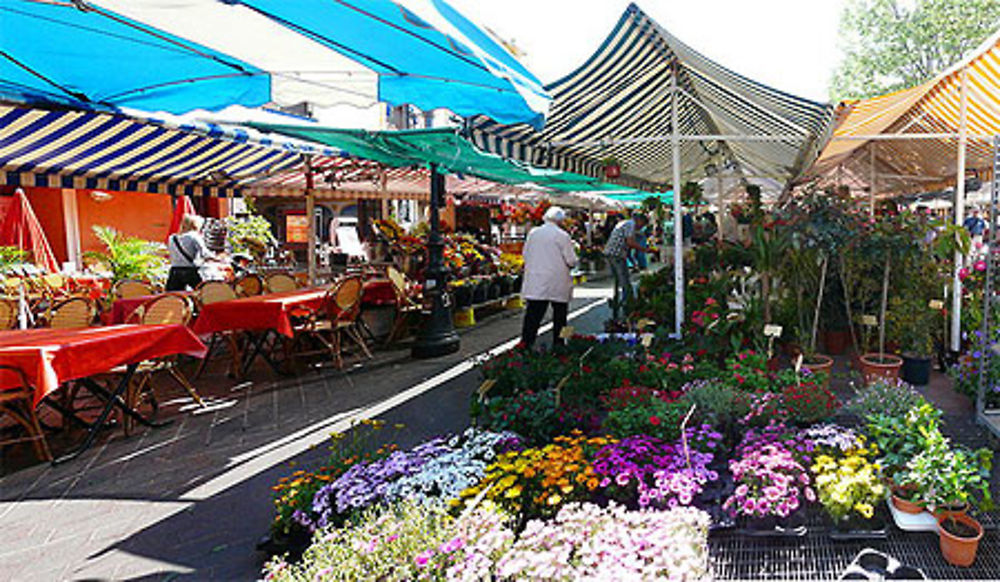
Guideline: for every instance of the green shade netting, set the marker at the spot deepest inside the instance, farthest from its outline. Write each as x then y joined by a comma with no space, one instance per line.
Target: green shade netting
450,151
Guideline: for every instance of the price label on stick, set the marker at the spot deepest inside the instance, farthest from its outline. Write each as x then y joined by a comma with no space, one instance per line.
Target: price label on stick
869,320
644,323
567,332
647,340
936,304
771,330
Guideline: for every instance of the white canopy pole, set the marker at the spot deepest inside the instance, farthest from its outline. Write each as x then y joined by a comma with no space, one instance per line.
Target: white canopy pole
310,222
675,150
872,180
956,292
722,205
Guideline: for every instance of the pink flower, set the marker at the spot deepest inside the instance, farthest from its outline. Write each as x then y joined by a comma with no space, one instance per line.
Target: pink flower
963,273
423,557
980,265
810,495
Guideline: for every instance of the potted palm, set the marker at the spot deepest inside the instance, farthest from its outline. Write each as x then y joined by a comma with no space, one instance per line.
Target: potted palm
948,479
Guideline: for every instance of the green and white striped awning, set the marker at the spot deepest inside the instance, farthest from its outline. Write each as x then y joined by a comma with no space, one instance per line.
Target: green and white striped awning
617,105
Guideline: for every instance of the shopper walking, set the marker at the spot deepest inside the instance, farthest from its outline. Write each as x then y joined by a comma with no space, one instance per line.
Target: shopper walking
623,239
548,258
187,251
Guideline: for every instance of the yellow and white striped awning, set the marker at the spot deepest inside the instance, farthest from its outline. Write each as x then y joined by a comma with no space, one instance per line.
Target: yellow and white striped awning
904,161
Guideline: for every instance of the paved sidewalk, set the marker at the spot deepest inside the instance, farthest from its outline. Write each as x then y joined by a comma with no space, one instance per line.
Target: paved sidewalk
192,499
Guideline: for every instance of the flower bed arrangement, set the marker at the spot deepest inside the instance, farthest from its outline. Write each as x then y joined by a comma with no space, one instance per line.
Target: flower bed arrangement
607,458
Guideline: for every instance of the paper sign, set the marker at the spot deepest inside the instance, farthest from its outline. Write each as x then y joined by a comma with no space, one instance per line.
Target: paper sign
567,332
647,340
771,330
869,320
485,387
936,304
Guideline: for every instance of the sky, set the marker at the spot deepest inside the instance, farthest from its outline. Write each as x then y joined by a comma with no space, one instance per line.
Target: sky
790,45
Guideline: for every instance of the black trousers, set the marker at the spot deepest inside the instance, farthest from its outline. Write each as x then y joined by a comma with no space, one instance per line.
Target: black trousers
533,315
180,278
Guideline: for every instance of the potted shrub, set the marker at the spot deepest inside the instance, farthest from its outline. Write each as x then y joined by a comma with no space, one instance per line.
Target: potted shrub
948,479
912,322
900,437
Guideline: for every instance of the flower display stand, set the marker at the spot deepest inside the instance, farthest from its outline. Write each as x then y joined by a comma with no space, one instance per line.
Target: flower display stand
922,521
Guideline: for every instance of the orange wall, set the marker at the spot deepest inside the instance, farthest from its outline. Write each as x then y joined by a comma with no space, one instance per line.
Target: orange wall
138,214
47,204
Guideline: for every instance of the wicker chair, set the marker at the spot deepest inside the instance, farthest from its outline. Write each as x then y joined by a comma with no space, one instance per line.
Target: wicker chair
169,309
18,404
214,292
8,313
130,289
338,320
249,285
406,306
69,313
280,283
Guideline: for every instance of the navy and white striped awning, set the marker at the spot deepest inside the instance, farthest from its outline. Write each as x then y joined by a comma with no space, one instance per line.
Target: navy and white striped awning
61,148
617,105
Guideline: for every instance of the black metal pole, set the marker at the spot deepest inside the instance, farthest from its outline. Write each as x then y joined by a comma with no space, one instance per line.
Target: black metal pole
437,335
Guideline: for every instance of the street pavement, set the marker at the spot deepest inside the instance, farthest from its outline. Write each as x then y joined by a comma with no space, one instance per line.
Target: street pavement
192,499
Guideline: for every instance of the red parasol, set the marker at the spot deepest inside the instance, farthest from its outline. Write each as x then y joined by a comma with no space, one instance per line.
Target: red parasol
20,228
182,207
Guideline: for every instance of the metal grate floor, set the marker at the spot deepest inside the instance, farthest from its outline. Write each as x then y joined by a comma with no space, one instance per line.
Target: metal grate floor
817,557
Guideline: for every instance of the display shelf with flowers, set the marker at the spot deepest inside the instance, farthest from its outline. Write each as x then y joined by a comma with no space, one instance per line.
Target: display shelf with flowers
850,489
772,482
589,542
536,482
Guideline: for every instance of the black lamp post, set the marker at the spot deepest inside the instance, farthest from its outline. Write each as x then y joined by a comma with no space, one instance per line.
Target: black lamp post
437,335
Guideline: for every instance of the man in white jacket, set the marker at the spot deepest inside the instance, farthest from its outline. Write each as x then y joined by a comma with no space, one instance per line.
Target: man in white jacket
548,257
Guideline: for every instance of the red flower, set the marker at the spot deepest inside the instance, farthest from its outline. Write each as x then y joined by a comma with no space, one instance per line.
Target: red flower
654,420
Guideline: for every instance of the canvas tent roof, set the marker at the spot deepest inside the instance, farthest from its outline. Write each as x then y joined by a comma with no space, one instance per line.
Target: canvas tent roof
905,164
618,104
444,147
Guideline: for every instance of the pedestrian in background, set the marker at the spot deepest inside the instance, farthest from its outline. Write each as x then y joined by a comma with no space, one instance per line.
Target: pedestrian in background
548,257
622,239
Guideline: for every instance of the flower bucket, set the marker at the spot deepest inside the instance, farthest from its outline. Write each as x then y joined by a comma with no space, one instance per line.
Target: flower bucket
957,550
916,370
875,367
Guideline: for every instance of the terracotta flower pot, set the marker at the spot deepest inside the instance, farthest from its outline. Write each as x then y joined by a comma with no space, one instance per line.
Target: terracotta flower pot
820,363
959,551
875,367
836,341
905,505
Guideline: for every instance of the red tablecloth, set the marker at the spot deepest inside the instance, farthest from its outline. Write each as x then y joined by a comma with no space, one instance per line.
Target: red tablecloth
50,357
378,292
121,309
257,313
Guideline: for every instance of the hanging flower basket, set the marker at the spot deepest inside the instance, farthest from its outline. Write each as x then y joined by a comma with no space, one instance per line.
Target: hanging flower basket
612,171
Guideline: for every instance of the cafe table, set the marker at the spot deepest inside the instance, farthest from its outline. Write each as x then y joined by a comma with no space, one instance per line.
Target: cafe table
261,316
51,357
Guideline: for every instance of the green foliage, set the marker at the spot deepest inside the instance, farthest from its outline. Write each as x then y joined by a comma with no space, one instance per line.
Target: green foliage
887,397
900,438
654,418
10,256
890,44
250,235
947,476
716,403
129,257
913,324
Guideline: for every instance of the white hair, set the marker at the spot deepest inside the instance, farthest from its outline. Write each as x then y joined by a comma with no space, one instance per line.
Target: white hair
554,214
